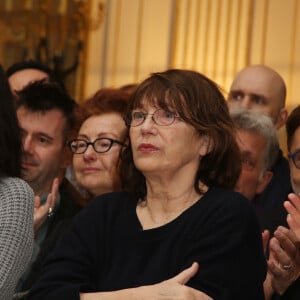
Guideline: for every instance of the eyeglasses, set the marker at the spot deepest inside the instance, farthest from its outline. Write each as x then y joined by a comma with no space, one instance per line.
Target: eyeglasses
295,158
160,117
101,145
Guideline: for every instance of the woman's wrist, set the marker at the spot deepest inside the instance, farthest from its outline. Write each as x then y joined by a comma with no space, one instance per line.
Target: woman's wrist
125,294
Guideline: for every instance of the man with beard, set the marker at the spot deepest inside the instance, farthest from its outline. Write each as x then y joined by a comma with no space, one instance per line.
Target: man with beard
45,114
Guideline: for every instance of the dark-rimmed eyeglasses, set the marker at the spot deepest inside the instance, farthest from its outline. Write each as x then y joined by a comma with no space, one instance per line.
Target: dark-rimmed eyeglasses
101,145
160,117
295,157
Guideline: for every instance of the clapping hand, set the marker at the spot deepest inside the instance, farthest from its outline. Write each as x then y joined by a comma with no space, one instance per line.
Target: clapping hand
41,212
284,260
293,208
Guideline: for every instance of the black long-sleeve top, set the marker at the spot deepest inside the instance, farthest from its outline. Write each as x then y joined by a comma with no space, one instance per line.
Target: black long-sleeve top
106,249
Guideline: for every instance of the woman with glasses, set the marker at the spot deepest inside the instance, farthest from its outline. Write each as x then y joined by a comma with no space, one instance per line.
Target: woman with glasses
178,231
98,142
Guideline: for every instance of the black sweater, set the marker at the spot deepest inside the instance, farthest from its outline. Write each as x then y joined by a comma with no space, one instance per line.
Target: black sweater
106,249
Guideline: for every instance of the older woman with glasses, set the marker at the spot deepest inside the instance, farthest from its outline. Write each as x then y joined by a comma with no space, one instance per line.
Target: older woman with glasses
178,231
98,142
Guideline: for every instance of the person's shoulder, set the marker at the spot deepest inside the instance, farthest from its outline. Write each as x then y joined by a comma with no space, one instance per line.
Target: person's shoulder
223,194
17,197
111,202
230,208
112,199
16,186
229,200
106,206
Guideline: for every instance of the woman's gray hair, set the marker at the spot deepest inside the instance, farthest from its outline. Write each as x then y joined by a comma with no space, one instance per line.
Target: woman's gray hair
261,124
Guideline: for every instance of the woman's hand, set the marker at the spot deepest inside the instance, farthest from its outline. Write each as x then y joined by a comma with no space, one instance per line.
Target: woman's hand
41,211
171,289
175,287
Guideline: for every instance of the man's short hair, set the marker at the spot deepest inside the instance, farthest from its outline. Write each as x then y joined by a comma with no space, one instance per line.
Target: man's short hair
260,124
43,96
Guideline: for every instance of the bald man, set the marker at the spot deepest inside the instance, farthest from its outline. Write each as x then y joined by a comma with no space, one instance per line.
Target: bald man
261,88
22,73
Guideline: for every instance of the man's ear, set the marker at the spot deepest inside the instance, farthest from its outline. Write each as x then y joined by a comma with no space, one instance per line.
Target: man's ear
264,182
206,145
282,117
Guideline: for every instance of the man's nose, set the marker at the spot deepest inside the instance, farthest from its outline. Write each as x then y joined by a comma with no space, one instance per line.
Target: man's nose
246,102
27,144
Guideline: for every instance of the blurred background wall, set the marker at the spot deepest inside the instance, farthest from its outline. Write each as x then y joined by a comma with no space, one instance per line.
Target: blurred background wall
97,43
215,37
